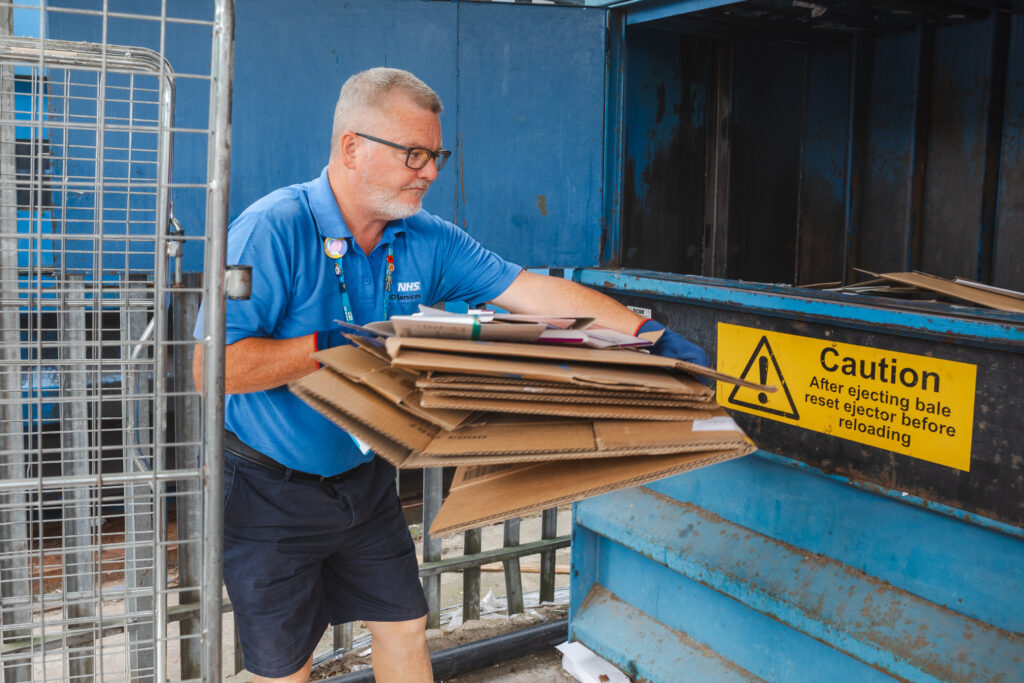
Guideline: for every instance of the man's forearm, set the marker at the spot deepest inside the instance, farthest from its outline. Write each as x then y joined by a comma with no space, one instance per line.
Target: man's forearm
257,364
540,294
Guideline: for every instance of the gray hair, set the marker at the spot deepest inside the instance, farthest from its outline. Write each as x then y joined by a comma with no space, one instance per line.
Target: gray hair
364,93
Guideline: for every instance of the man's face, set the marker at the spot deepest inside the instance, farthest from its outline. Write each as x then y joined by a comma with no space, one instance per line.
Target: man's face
390,190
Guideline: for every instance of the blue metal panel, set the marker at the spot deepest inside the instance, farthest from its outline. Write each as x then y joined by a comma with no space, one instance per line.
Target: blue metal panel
664,169
1000,331
295,56
523,85
957,148
1009,247
652,10
823,167
614,141
625,635
889,156
879,624
725,628
531,131
869,532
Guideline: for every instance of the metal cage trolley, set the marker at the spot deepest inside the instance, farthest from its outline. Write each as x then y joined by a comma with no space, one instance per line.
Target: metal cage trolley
109,546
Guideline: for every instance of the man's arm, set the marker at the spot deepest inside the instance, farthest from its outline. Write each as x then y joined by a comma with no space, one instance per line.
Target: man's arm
530,293
257,364
541,294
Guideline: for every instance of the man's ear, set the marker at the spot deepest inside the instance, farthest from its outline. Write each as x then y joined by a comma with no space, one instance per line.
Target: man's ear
348,144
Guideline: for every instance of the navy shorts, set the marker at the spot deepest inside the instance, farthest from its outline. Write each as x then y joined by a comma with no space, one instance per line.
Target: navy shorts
300,554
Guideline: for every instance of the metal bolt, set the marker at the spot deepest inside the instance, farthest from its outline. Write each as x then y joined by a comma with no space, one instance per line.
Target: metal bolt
238,281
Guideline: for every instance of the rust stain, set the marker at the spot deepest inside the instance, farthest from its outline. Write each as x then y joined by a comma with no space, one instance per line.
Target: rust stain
542,205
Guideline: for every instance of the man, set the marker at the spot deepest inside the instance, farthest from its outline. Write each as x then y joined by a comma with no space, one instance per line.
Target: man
313,532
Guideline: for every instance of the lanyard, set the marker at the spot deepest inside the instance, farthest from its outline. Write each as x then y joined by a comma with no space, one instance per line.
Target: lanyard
335,249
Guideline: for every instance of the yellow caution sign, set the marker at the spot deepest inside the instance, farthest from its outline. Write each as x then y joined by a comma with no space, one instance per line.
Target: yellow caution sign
915,405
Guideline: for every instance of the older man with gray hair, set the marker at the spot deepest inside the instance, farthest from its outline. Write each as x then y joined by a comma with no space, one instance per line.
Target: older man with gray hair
313,529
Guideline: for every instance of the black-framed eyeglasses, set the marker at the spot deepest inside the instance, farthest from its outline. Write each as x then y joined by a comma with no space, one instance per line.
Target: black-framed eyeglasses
415,157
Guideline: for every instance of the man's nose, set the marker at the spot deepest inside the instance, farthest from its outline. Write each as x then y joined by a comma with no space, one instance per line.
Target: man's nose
429,172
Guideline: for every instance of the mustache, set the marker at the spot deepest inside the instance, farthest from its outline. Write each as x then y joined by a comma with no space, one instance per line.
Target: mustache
421,185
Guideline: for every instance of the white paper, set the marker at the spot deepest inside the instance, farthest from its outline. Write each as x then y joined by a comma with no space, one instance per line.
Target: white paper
585,666
716,424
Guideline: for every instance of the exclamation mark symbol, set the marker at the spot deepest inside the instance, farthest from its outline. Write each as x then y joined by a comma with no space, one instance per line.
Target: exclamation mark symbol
762,365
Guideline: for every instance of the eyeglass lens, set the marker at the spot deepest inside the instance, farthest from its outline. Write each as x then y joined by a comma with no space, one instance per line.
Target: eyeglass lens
418,157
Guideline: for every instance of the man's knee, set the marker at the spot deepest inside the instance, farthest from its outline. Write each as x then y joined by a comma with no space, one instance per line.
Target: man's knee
385,632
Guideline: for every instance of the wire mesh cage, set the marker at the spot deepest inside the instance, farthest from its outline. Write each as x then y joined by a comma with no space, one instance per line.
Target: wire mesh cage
105,540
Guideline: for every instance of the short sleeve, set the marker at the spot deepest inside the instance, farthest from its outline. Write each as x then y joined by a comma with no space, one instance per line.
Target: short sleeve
257,241
468,271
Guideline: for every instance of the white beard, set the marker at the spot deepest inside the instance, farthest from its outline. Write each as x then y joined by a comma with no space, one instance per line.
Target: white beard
386,202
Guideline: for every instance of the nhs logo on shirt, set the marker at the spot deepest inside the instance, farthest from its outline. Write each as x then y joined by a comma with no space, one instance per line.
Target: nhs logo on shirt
408,291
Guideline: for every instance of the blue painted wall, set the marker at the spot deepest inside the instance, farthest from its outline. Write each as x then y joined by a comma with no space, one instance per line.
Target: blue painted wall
523,88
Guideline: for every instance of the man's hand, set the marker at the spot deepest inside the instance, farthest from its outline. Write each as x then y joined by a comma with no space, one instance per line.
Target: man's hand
673,345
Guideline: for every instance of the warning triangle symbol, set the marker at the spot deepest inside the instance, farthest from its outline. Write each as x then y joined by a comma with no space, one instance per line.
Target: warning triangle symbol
762,368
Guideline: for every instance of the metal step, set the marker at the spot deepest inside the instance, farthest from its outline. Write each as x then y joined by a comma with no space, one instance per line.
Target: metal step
873,622
679,657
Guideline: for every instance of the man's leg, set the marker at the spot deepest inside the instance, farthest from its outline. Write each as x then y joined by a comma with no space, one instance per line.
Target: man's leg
300,676
399,651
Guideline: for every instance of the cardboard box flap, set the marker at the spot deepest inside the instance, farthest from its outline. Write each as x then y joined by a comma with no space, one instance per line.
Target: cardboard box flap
568,409
380,444
394,345
366,407
483,495
549,370
395,384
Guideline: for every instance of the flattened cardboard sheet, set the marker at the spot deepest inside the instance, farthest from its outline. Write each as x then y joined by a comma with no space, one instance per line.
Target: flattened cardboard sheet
397,385
482,495
567,409
601,399
619,357
438,382
640,379
506,438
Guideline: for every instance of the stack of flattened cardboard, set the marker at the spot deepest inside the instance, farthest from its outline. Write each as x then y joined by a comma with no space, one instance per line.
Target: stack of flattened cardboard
519,420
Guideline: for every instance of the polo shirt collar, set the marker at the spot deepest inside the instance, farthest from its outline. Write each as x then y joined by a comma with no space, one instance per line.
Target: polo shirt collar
328,216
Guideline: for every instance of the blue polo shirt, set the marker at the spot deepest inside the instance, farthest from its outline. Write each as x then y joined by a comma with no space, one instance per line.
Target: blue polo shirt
295,292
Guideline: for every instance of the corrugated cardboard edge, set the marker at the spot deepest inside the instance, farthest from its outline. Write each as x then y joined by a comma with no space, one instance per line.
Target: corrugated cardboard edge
584,410
456,512
363,365
561,390
500,395
418,459
324,384
542,351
